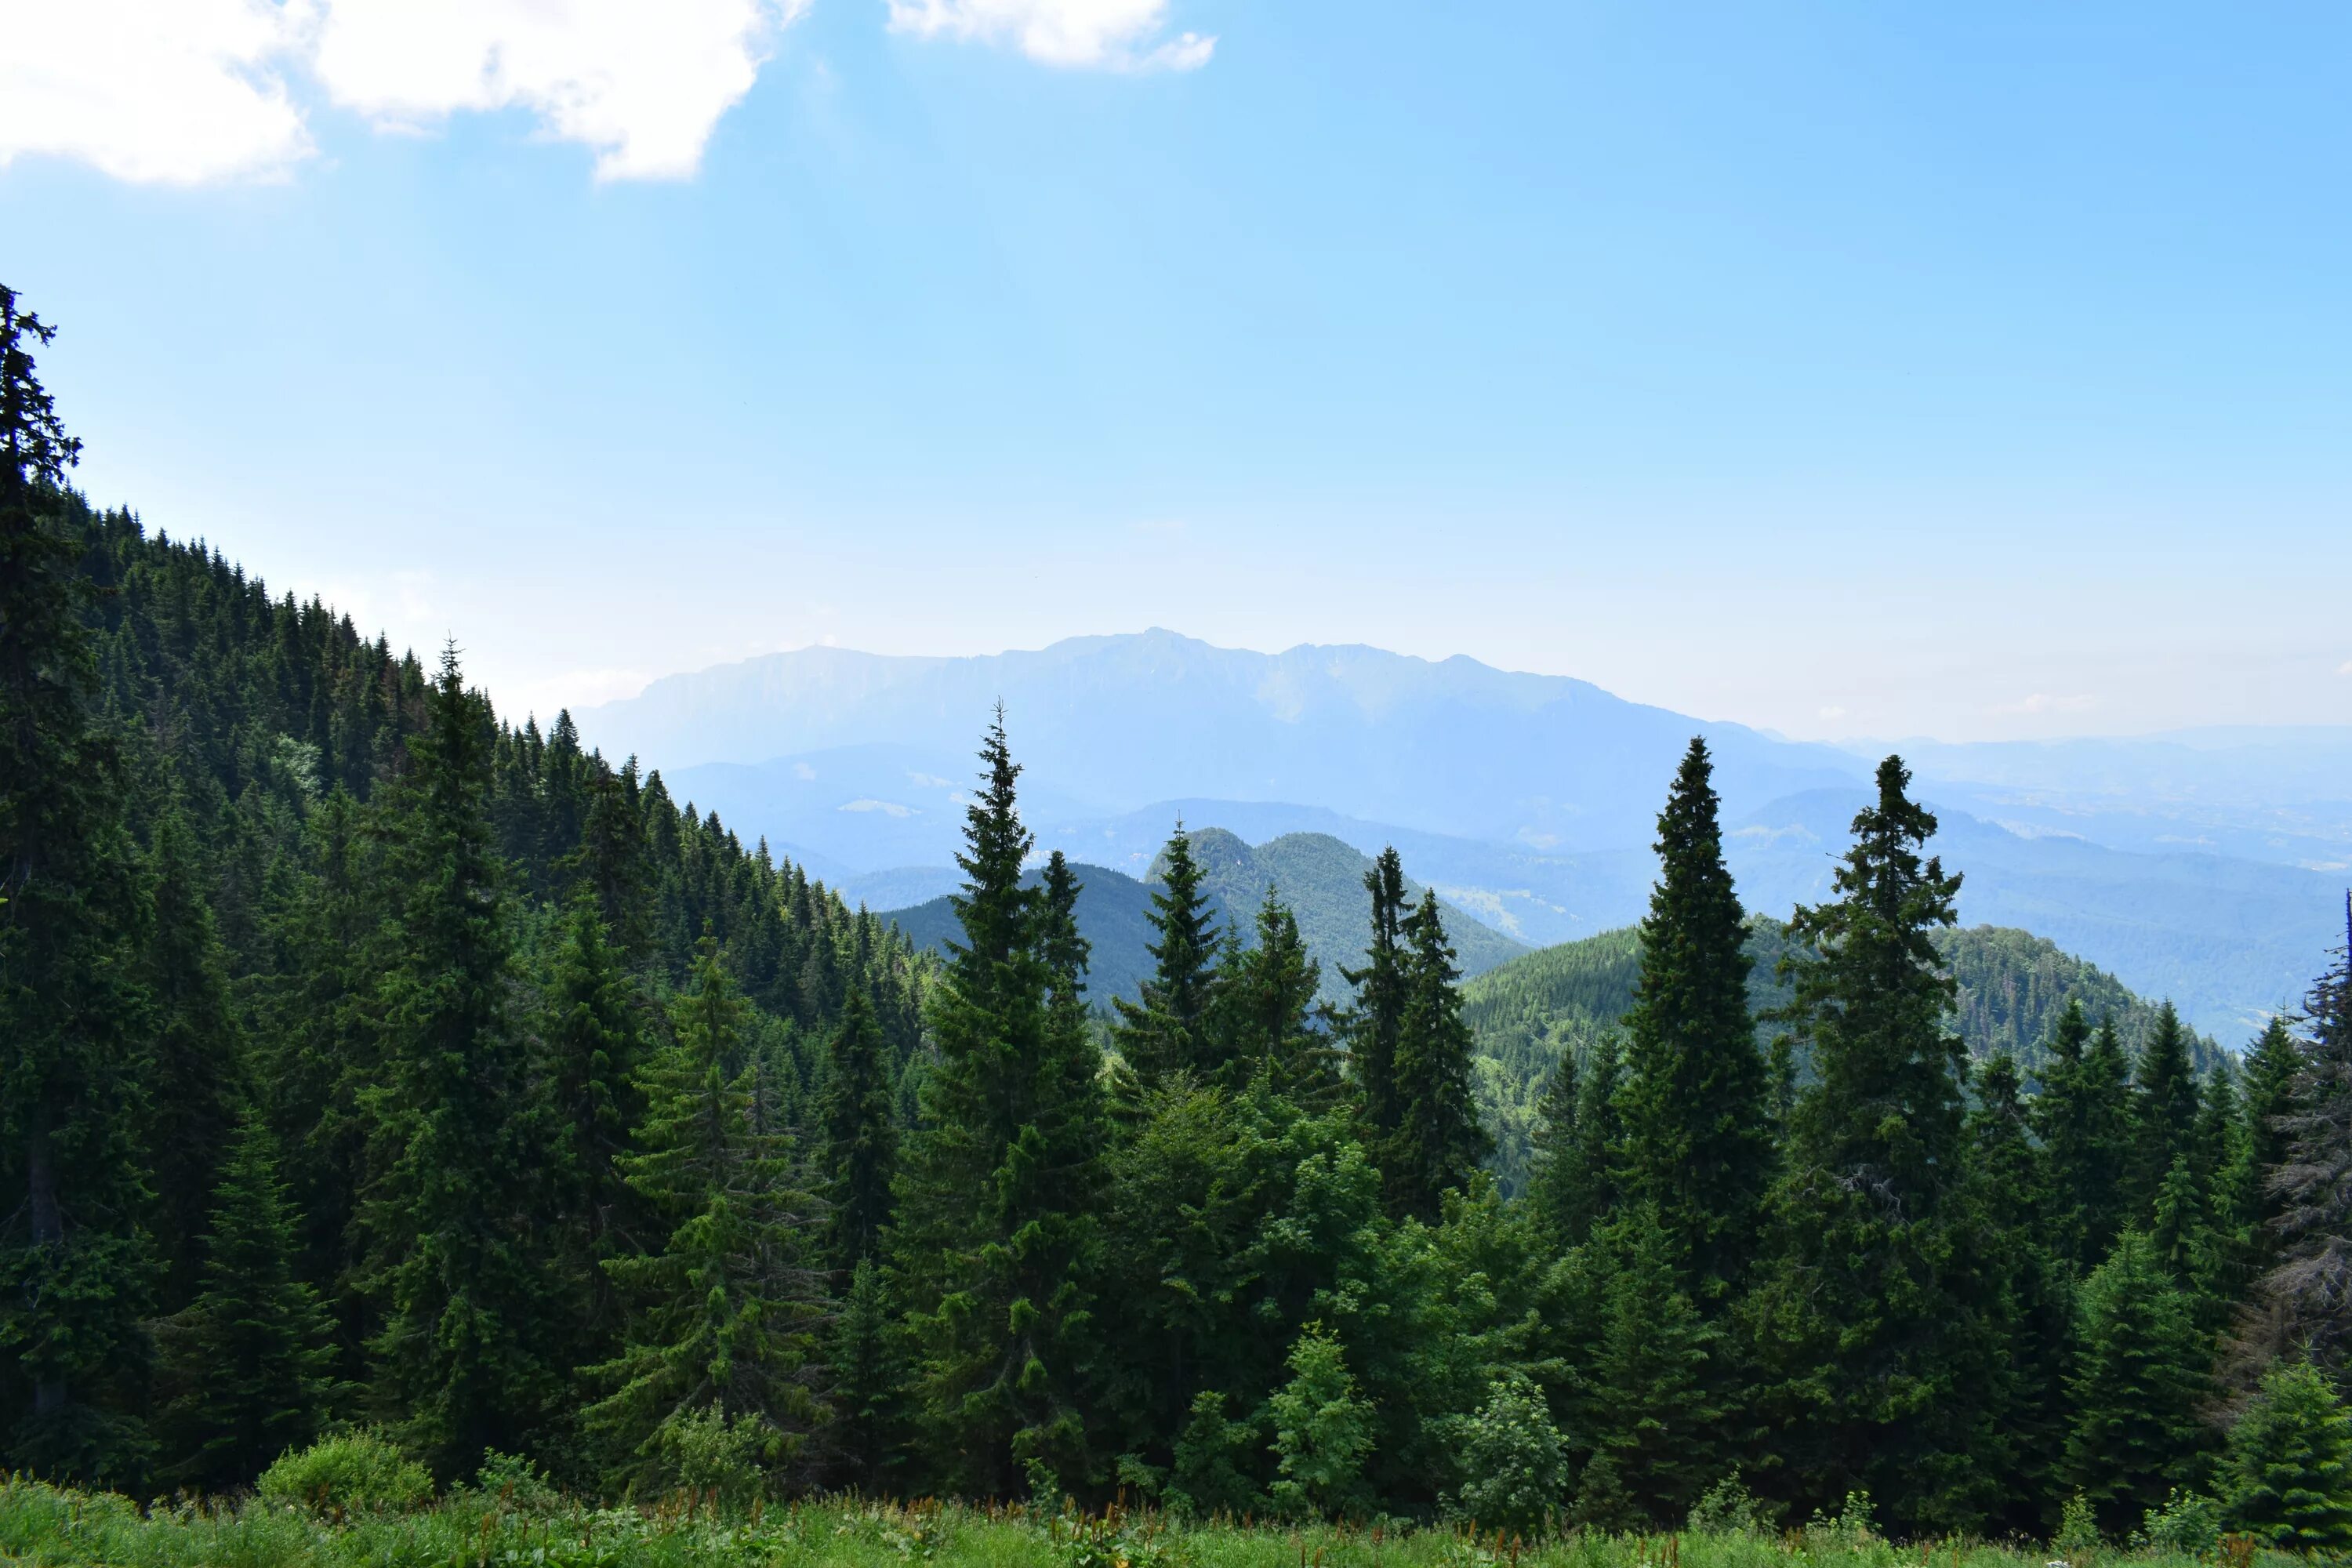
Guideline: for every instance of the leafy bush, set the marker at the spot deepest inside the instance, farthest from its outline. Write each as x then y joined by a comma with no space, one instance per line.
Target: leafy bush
2189,1523
2078,1531
1727,1509
1513,1456
708,1452
358,1472
517,1483
1322,1430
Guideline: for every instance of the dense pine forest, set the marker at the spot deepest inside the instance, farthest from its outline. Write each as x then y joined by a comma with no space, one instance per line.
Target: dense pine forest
391,1087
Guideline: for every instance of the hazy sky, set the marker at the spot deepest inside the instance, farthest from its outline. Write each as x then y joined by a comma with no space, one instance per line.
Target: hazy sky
1976,370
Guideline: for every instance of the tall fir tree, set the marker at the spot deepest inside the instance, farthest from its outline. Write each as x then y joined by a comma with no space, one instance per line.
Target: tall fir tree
2163,1113
2309,1289
998,1182
1438,1141
2272,1069
76,1265
858,1153
1570,1184
194,1061
729,1310
2139,1377
1268,1020
460,1355
1873,1316
250,1362
2082,1118
1697,1138
1383,988
1167,1029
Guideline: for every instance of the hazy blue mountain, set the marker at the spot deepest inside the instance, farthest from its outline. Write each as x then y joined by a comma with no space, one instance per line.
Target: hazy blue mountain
1452,747
1321,878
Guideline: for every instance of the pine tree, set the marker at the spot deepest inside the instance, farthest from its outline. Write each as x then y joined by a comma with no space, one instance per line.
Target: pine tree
253,1357
999,1180
76,1269
2310,1288
193,1063
593,1043
2272,1069
2083,1117
864,1432
1647,1401
1383,988
461,1354
1696,1135
2139,1377
2163,1113
1874,1314
728,1310
859,1152
1570,1184
1268,1019
2289,1472
1438,1140
1165,1031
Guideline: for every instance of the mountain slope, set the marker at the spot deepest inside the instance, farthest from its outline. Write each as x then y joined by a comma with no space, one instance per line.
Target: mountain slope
1321,878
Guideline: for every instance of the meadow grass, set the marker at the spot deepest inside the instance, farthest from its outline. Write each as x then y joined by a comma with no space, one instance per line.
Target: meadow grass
45,1525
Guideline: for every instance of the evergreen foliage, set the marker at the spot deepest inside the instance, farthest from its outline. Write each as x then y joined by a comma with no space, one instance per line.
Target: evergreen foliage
2138,1383
1166,1031
2289,1471
1437,1140
860,1140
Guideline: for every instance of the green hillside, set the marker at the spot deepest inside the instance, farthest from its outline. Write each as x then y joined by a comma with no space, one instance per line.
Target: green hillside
1525,1012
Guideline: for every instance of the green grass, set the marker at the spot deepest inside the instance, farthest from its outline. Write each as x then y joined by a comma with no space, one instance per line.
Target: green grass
45,1525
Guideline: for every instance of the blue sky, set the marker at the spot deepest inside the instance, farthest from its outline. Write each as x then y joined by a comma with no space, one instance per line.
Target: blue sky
1843,368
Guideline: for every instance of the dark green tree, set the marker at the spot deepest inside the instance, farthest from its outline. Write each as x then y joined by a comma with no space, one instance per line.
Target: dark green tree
1881,1337
999,1181
863,1433
2163,1113
193,1062
1438,1140
859,1150
1697,1133
1268,1019
461,1354
1648,1399
2139,1377
75,1266
2288,1478
1384,990
251,1360
2082,1118
1570,1186
1166,1029
728,1312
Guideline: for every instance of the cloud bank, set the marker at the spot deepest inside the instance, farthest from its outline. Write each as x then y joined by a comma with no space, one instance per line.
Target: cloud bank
191,91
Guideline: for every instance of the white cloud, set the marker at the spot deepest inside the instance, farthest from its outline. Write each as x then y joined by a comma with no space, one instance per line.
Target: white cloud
169,94
2344,668
1832,711
1114,34
803,771
192,90
641,81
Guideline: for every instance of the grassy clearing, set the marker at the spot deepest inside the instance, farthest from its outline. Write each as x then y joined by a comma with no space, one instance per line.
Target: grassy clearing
45,1525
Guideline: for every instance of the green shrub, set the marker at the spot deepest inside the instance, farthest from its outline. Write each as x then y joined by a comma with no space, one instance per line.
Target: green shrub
517,1483
2189,1524
2078,1531
1727,1509
358,1472
2290,1467
1513,1456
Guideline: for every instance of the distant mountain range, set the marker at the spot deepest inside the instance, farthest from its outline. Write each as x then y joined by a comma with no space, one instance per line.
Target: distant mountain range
2208,866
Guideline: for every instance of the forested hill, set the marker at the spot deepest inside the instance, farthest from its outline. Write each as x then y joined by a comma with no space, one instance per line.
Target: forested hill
1318,876
2013,986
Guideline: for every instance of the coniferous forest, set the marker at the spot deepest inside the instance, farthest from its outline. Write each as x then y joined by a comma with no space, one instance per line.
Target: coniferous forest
387,1087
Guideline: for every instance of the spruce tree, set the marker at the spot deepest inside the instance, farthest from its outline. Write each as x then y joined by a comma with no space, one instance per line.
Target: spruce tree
859,1149
460,1356
1873,1313
2163,1113
2272,1069
76,1264
1570,1186
1383,988
593,1042
1268,1019
1165,1031
999,1181
1648,1399
728,1312
1696,1134
252,1360
2288,1478
193,1064
1438,1140
2139,1377
2309,1289
863,1431
2081,1117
